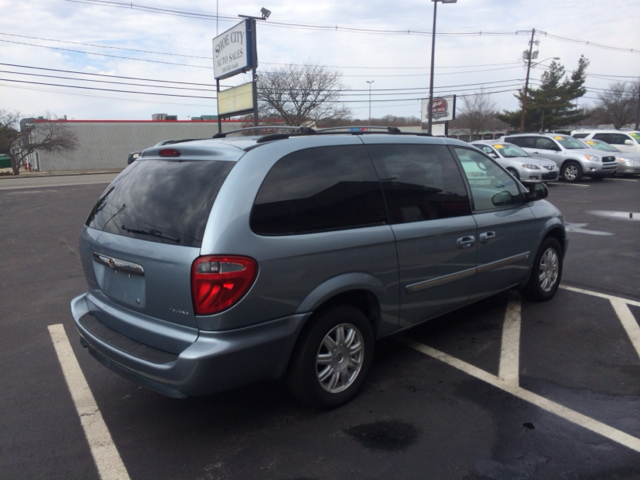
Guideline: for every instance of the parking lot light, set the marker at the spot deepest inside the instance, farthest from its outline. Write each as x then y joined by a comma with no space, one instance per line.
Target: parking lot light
433,51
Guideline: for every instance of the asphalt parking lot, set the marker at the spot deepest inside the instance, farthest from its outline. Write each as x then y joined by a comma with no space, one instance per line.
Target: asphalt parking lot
503,389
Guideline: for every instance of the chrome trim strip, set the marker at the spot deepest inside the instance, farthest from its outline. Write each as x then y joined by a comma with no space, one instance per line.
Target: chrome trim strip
434,282
453,277
502,263
117,264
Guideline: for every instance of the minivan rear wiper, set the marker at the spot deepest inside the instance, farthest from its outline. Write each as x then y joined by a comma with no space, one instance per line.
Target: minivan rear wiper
154,233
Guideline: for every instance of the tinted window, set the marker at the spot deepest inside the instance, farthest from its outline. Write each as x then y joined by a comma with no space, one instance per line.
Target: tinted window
420,182
605,137
546,144
580,135
319,189
491,187
165,201
525,142
618,139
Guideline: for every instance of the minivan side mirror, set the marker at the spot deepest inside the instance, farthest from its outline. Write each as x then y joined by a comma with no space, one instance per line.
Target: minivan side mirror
537,191
628,142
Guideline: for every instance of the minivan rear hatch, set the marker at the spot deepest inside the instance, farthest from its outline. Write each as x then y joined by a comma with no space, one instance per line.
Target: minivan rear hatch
142,237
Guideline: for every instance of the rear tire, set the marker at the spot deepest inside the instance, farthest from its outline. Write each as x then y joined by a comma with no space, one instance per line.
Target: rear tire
572,172
546,272
332,358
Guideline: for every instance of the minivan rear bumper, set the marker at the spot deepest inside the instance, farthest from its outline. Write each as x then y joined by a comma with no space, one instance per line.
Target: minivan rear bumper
214,362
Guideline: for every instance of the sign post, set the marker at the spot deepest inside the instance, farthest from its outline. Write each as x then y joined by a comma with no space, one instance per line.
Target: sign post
234,52
443,111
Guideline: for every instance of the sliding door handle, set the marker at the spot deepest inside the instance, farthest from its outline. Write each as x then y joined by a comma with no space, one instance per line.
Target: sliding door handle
466,242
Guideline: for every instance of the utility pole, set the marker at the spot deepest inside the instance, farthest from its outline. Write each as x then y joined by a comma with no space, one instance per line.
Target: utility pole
370,82
526,82
638,109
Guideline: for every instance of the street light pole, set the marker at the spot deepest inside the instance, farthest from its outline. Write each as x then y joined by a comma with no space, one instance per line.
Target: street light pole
433,51
370,82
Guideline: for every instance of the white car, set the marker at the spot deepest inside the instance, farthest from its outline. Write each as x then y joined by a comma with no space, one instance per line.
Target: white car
627,163
627,141
519,163
573,157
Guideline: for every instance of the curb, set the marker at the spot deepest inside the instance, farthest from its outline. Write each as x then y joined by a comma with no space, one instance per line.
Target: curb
66,173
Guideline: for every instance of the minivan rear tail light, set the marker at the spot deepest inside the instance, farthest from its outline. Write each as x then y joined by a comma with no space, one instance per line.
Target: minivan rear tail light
169,152
219,282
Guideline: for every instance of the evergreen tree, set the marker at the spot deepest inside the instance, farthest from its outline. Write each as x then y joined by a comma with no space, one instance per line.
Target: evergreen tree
552,105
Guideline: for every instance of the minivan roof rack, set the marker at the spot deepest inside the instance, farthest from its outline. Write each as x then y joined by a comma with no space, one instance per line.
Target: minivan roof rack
360,129
302,130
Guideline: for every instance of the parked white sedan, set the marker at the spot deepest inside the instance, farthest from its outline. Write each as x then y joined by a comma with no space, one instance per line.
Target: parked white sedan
519,163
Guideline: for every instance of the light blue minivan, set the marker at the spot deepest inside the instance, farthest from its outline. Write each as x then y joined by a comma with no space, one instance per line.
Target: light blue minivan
219,262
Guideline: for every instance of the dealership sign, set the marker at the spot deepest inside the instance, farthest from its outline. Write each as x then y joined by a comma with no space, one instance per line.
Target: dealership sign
234,51
444,109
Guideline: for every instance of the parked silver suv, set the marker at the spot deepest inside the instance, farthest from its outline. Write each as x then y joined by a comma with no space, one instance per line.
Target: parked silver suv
215,263
574,159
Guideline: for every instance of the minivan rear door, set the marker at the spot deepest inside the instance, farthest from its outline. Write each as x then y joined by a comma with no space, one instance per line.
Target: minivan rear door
430,214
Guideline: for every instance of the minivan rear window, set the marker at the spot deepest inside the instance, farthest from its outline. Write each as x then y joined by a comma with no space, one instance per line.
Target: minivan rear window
166,201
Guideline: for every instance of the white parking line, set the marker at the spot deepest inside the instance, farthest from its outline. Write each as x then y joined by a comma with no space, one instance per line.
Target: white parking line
544,403
510,350
103,449
571,184
601,295
628,322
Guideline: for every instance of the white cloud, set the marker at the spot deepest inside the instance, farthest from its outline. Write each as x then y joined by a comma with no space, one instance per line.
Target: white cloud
391,61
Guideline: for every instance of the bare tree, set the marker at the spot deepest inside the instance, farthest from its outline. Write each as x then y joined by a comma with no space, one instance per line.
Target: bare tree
299,94
18,139
618,103
478,114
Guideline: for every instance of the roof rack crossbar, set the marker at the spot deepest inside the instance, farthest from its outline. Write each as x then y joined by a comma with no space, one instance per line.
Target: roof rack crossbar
305,130
360,129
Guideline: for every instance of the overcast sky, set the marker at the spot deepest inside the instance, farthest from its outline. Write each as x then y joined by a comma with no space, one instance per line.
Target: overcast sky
46,45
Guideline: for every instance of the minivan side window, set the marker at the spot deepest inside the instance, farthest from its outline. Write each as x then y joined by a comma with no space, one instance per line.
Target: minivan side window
420,182
491,187
319,189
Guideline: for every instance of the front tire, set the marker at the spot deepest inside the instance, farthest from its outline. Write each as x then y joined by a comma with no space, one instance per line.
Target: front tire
572,172
513,172
332,358
546,273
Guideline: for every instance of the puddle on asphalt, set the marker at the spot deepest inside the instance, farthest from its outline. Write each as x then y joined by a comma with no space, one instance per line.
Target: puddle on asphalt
389,436
628,216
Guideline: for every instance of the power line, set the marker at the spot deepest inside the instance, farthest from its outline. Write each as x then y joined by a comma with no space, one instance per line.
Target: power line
111,97
337,28
348,92
591,44
263,63
105,81
105,89
105,54
209,67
